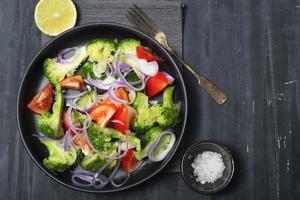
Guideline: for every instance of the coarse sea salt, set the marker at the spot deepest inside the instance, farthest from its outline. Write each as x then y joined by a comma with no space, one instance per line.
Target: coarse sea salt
208,167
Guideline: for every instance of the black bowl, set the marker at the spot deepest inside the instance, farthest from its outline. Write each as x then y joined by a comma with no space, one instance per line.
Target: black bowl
187,171
34,80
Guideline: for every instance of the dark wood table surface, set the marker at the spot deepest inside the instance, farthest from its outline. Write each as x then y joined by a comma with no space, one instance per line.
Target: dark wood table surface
249,48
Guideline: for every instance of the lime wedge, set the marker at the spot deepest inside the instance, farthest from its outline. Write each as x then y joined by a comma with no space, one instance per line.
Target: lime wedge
53,17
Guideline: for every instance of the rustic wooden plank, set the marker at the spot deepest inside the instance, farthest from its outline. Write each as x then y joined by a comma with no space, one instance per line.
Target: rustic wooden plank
249,48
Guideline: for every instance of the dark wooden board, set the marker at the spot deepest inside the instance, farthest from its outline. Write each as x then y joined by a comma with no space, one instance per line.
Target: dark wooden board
249,48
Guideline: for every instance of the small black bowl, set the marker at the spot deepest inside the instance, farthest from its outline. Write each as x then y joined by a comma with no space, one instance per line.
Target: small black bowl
187,171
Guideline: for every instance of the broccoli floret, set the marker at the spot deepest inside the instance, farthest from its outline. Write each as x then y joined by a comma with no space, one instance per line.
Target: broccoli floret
87,68
102,138
50,124
79,117
100,141
56,71
95,161
86,101
101,50
164,115
128,46
170,115
150,136
59,159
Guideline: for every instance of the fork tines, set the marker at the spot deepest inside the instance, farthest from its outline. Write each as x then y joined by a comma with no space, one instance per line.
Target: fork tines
140,19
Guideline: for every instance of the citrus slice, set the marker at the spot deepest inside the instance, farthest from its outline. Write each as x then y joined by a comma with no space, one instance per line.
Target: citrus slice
53,17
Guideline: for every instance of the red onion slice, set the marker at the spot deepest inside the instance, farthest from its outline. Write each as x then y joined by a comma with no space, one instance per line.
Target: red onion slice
161,156
112,94
147,68
74,96
60,56
169,77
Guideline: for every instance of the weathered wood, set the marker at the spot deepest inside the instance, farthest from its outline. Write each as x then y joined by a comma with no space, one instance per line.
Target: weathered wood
249,48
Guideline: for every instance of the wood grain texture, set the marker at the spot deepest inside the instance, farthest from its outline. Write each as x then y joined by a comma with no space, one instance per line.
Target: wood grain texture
249,48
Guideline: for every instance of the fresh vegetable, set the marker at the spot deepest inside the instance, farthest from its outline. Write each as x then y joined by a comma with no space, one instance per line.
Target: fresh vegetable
147,55
128,46
164,115
103,112
102,138
123,118
56,71
87,101
129,163
101,50
58,159
156,84
95,161
150,137
73,83
42,101
109,121
50,124
170,115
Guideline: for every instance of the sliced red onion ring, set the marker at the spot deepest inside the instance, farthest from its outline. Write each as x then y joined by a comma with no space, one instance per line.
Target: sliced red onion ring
83,180
169,77
120,178
60,56
74,96
147,68
123,79
160,157
103,85
112,94
98,177
66,140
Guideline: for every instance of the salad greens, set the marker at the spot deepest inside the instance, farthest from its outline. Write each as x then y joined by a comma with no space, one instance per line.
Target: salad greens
101,120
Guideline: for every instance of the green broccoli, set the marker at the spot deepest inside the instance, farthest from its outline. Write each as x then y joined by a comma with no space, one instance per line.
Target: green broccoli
50,124
79,117
95,161
150,136
59,159
87,68
86,101
56,71
170,115
164,115
128,46
101,50
102,138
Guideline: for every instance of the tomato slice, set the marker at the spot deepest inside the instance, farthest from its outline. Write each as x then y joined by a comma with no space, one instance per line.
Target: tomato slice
81,143
123,117
122,93
73,83
129,163
147,55
102,113
42,101
156,84
65,121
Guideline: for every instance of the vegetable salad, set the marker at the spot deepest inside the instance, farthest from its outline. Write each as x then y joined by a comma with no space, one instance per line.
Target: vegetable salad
97,117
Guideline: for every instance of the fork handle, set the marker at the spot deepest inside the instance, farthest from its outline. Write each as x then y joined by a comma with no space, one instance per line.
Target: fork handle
205,83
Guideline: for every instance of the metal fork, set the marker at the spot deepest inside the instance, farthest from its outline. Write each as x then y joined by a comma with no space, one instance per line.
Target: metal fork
140,19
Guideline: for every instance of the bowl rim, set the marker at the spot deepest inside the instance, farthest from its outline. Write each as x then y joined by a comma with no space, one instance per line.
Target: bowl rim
130,29
209,142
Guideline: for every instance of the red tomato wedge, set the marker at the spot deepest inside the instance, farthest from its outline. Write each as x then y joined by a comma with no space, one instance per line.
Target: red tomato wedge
123,117
122,93
103,112
156,84
42,101
73,83
143,53
65,121
81,143
129,163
